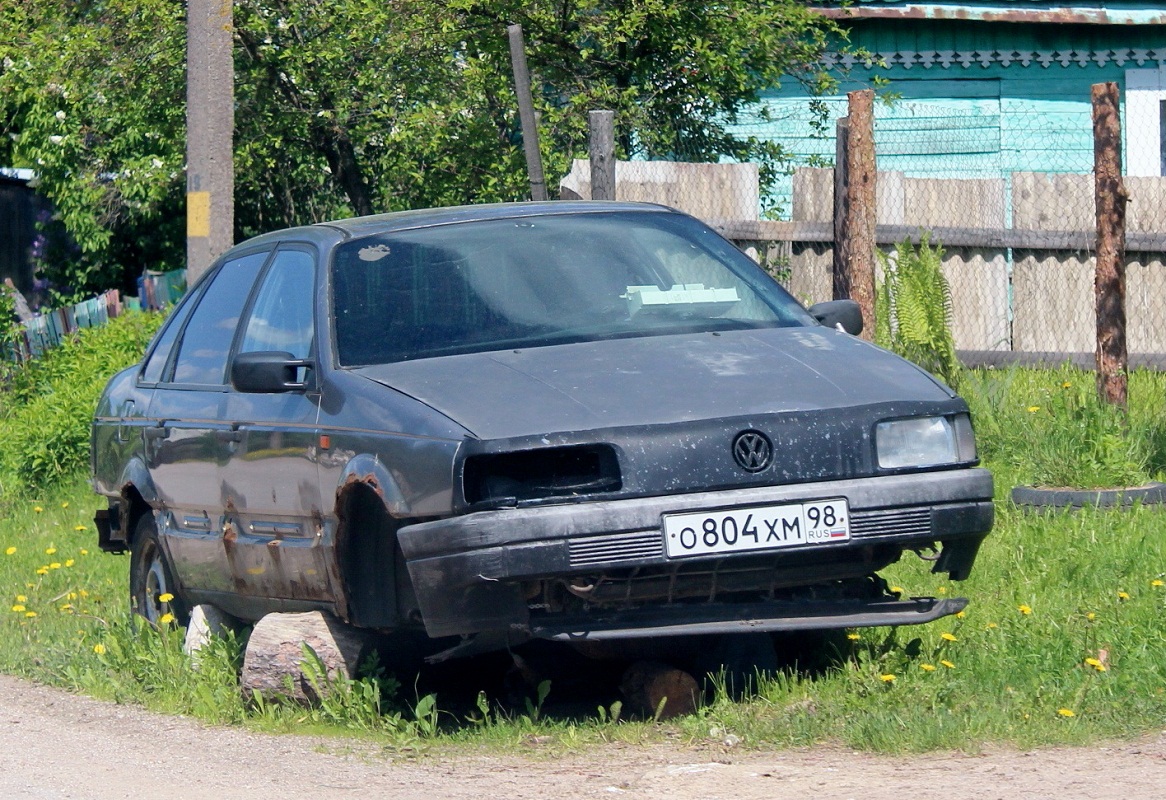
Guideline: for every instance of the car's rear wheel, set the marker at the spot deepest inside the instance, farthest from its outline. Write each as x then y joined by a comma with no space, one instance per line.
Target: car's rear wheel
153,591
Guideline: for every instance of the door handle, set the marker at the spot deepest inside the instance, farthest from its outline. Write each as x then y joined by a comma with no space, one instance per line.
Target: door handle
158,431
233,436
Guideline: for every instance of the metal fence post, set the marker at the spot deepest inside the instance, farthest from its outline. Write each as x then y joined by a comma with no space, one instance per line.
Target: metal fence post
534,163
602,154
840,271
1109,285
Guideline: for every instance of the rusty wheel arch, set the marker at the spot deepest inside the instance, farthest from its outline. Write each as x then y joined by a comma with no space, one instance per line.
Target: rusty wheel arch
133,506
369,565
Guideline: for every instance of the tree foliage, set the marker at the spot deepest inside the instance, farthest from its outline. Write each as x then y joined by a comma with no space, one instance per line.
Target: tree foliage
359,106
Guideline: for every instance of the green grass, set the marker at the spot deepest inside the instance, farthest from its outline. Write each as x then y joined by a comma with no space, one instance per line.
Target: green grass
1090,582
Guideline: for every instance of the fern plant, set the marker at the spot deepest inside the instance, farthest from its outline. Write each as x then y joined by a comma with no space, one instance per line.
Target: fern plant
914,311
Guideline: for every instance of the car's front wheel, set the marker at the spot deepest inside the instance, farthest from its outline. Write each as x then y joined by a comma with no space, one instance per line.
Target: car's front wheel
153,592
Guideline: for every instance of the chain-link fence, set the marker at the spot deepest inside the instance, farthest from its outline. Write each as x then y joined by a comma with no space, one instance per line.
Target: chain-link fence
1006,189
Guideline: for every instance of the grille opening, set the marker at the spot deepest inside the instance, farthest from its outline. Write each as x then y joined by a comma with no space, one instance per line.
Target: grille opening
551,472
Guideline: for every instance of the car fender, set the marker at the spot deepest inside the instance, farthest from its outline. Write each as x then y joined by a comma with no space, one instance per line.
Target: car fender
136,474
369,470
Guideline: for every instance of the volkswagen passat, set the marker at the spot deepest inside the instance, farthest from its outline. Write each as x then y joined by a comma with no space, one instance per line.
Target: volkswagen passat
543,420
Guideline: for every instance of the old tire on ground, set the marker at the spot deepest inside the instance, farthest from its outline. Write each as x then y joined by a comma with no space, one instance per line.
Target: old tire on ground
151,577
1041,498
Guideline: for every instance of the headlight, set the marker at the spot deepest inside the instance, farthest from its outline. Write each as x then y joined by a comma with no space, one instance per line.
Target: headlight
925,441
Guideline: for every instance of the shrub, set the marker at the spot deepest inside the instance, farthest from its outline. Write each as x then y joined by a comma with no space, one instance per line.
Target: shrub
47,410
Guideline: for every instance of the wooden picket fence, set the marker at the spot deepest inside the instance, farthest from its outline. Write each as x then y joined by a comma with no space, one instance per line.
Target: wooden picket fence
156,290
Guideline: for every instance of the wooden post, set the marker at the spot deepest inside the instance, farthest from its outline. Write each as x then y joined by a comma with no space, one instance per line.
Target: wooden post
861,173
841,203
534,163
1109,285
602,154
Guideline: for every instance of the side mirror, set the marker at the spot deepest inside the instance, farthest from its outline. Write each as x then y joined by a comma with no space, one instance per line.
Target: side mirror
839,313
269,371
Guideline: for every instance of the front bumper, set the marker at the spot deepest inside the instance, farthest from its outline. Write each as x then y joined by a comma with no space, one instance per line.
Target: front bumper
468,571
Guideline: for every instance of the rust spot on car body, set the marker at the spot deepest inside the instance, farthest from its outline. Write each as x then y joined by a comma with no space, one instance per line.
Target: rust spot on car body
369,480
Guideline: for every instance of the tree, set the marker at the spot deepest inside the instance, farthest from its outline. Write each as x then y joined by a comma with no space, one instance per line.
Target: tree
359,106
89,99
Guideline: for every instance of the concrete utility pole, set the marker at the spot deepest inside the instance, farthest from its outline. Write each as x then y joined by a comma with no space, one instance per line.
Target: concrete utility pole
210,127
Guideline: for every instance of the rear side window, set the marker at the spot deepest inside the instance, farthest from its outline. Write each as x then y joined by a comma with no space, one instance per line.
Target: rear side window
206,341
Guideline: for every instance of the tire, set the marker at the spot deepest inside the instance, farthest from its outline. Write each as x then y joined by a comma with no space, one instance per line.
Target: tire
151,577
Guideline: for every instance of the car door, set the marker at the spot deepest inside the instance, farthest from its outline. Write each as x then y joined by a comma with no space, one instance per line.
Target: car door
272,478
187,436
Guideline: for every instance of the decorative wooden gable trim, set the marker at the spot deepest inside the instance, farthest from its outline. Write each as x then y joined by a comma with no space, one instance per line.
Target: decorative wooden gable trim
966,59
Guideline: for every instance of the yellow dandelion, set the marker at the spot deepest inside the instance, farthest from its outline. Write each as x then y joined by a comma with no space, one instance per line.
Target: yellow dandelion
165,597
854,637
887,678
43,571
21,598
1157,582
84,552
83,593
80,528
1096,664
165,619
18,608
69,562
1024,609
942,590
11,551
947,664
29,614
55,565
896,590
50,550
1066,712
37,509
65,504
927,667
948,637
1066,385
1033,409
1090,616
99,648
992,625
72,595
1123,595
67,607
960,615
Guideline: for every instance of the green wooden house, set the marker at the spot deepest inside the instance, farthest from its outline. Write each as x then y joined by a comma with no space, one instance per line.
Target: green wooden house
986,89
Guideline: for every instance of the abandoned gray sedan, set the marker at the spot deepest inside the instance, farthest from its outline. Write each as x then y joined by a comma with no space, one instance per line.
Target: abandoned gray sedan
543,420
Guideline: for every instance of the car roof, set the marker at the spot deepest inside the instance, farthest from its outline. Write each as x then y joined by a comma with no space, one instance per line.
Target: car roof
357,227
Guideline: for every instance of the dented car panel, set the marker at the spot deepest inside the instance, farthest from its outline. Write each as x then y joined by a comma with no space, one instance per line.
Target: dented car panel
494,422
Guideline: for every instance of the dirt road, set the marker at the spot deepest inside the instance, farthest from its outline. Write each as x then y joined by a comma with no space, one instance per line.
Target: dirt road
54,746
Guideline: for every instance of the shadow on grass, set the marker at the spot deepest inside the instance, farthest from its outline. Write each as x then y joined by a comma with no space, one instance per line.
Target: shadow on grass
586,677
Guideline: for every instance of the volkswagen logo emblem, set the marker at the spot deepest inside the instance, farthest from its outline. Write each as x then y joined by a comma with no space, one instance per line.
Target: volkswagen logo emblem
752,450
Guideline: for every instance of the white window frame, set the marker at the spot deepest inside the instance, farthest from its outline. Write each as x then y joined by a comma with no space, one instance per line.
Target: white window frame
1142,120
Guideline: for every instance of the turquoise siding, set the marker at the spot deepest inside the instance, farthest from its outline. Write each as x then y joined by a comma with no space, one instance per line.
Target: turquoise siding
963,121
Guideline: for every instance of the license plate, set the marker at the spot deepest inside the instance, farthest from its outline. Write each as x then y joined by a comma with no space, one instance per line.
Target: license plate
739,530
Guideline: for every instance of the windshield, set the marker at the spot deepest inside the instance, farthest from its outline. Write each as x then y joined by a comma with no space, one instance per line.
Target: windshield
544,280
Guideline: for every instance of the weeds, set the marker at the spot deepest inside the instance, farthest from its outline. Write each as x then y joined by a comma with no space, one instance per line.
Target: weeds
1062,642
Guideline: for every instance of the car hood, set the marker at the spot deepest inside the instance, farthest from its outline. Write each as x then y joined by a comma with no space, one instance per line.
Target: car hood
657,380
